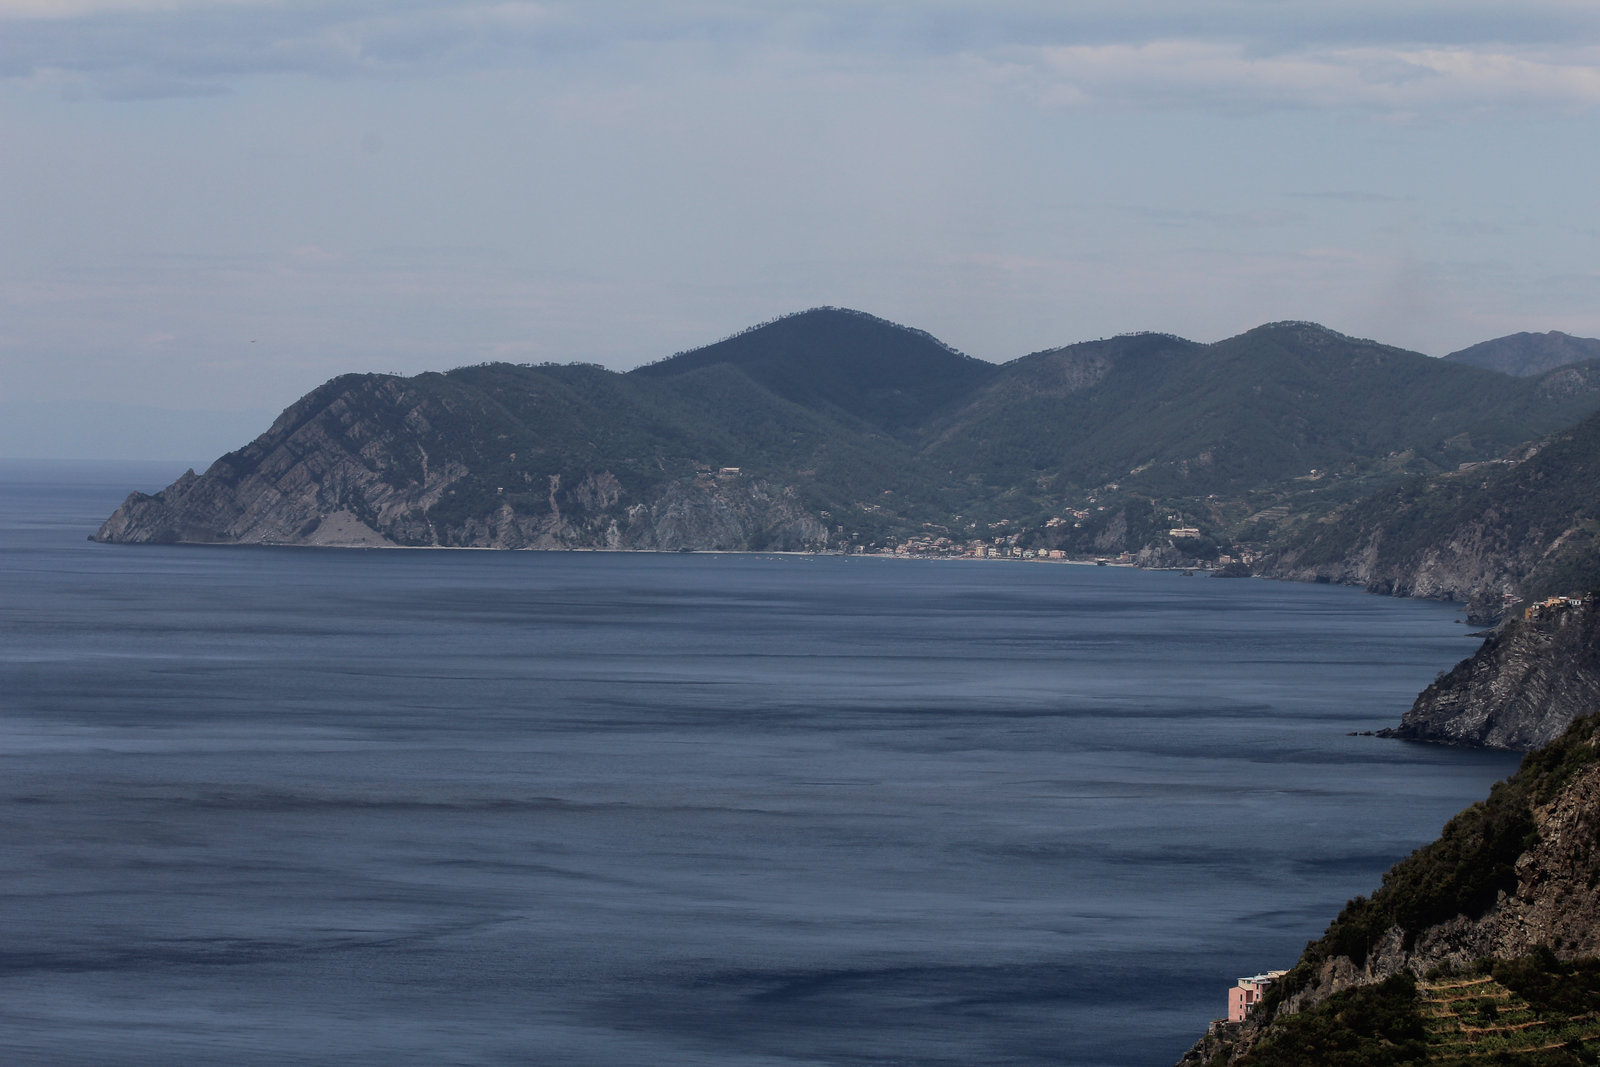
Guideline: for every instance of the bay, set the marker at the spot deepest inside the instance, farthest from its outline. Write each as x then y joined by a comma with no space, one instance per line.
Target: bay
284,805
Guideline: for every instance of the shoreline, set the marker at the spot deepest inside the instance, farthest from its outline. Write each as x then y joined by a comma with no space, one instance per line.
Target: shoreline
391,547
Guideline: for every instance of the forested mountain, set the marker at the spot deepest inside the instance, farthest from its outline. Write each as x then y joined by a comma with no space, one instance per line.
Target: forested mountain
847,364
832,429
1176,417
1525,354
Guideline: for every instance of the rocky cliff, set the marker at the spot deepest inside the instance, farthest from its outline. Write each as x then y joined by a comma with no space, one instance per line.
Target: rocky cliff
1514,878
1523,688
1525,525
375,461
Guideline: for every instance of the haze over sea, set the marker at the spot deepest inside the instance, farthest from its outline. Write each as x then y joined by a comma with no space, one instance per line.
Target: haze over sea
265,806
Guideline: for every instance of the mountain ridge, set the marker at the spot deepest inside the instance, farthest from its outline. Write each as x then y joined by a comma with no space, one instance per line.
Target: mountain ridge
835,430
886,375
1524,354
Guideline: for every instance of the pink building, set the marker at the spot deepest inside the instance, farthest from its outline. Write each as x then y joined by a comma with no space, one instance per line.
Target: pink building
1249,991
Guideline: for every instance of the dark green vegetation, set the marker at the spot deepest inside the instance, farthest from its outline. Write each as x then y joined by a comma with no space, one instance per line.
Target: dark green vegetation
880,435
1550,985
1378,1024
1285,413
1534,1010
856,368
1168,416
1462,873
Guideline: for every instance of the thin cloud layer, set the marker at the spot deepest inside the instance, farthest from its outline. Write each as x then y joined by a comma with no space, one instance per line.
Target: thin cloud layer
1177,73
1140,53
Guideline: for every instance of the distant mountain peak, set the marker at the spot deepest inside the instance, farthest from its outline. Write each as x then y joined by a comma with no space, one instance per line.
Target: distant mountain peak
868,368
820,315
1307,330
1524,355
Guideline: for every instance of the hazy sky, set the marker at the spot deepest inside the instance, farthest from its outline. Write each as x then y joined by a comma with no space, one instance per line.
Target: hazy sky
218,204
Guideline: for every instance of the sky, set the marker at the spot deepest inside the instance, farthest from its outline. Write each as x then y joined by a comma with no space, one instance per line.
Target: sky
209,207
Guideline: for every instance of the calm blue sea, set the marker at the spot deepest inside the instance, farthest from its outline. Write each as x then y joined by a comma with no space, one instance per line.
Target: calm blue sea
269,806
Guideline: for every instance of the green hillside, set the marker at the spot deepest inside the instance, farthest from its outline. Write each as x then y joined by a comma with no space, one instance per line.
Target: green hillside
1170,417
844,363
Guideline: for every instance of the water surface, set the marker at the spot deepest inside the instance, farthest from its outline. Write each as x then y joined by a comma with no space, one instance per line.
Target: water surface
272,805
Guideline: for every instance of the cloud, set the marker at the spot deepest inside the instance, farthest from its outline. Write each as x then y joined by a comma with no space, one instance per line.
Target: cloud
57,10
1187,73
1396,56
107,42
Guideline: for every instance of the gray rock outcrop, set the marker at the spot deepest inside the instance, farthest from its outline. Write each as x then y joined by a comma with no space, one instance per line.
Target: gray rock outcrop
1523,688
376,461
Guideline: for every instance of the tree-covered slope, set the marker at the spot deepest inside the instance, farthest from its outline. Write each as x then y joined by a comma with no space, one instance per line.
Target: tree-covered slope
1171,417
845,363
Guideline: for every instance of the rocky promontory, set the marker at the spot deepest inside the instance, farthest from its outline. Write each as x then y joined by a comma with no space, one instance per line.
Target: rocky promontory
1523,526
1508,898
379,461
1523,688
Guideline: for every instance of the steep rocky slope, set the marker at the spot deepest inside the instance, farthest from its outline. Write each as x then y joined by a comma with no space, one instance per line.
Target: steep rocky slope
1527,525
1523,688
1514,878
375,460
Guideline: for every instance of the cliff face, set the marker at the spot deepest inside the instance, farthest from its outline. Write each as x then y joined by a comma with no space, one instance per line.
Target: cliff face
1472,561
1513,876
370,461
1523,688
1527,524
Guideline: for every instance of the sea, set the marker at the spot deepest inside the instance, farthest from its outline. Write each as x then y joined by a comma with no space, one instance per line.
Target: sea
283,806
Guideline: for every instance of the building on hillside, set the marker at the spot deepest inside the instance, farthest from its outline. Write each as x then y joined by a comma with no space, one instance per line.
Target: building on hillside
1248,992
1554,604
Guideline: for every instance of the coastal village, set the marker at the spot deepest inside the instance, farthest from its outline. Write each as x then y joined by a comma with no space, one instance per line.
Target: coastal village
935,545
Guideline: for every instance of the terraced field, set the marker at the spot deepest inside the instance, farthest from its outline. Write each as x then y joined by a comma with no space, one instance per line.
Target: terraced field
1478,1020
